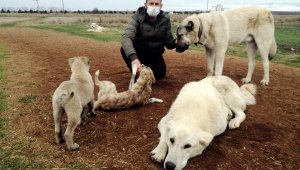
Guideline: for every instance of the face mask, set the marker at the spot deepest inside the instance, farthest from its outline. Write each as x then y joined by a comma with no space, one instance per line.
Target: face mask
153,11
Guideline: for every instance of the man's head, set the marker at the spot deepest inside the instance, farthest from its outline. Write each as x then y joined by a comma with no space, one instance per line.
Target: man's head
153,7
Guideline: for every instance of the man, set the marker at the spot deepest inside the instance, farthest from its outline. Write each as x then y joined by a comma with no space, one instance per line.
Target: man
145,37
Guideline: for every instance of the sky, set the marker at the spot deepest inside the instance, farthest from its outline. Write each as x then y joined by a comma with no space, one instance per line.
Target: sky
168,5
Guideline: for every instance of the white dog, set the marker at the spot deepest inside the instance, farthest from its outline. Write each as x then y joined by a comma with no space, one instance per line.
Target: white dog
71,97
138,93
217,30
96,28
200,112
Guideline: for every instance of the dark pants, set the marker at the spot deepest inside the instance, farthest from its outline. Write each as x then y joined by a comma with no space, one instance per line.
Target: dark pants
155,61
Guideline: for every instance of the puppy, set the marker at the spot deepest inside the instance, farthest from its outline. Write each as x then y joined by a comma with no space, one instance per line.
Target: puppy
201,111
71,97
137,94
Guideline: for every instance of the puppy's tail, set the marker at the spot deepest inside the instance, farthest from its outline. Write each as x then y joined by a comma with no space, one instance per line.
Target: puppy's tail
249,92
97,82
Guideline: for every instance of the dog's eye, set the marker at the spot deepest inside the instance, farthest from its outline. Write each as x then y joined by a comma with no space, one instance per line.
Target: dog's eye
187,146
172,140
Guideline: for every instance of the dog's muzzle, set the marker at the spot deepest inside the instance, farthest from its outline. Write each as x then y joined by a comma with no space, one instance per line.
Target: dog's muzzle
181,47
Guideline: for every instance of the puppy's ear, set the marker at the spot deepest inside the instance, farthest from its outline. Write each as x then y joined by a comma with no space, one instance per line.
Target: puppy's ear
190,26
71,60
205,138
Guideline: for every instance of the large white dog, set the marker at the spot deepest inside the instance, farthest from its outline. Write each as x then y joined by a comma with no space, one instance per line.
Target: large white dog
201,111
217,30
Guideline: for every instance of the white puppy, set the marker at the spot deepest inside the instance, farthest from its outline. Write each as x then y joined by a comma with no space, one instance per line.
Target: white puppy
201,111
71,97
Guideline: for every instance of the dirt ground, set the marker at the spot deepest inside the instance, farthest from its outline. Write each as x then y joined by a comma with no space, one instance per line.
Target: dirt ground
269,138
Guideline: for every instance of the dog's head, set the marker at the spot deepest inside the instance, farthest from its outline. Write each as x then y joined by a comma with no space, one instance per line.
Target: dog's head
184,142
79,62
146,73
93,25
188,32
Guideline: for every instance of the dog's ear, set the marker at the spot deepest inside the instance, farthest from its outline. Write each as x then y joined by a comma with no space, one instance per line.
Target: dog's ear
205,138
190,26
71,60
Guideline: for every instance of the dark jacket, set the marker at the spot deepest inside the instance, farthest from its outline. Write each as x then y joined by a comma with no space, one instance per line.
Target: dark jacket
145,37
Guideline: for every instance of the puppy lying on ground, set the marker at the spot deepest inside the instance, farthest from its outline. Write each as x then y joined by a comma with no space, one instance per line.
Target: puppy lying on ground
71,97
138,93
201,111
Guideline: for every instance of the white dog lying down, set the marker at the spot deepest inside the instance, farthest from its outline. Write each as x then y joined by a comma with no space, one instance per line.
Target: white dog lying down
96,28
138,93
201,111
71,97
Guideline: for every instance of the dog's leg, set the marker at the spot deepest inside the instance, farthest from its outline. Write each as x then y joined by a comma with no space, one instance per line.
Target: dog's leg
239,117
73,122
266,64
155,100
159,153
132,80
57,115
210,61
91,108
251,51
219,57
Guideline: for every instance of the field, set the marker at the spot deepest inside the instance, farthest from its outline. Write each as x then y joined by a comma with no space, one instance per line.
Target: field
33,61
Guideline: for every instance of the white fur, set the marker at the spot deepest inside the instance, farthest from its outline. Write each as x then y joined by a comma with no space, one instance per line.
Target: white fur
96,28
217,30
200,112
71,97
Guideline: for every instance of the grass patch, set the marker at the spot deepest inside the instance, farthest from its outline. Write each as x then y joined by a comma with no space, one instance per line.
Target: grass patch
111,35
4,52
16,157
28,98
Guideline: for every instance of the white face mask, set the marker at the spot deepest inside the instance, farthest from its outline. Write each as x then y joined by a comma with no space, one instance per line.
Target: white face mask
153,11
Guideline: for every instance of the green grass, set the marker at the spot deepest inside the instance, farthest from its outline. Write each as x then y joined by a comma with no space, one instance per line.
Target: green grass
111,35
4,52
28,98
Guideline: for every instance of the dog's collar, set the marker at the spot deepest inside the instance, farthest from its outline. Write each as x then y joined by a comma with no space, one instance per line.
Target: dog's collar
200,30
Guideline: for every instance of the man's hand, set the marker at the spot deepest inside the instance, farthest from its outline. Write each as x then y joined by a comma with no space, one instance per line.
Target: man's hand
138,64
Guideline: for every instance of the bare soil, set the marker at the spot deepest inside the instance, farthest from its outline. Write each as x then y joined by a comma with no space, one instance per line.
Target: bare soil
269,138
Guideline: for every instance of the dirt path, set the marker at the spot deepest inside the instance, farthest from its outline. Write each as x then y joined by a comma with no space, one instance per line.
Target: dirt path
268,139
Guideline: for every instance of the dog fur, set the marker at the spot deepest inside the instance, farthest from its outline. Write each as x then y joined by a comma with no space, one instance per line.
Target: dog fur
137,94
71,97
201,111
217,30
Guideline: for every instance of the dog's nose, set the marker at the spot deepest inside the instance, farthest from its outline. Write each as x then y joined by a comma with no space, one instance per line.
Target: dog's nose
170,166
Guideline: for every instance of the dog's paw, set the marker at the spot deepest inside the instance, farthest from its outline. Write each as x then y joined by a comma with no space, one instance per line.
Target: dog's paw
158,155
245,80
264,82
74,147
234,123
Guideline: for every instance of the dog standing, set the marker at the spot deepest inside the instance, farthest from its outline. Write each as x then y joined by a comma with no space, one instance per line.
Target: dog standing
217,30
201,111
137,94
71,97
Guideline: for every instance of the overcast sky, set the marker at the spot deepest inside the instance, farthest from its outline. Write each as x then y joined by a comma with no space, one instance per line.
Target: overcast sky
168,5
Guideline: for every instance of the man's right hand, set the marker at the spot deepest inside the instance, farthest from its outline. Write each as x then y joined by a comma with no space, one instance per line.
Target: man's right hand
138,64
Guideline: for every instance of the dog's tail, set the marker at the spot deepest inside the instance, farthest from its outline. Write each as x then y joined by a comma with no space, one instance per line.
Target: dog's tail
97,82
273,49
249,92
